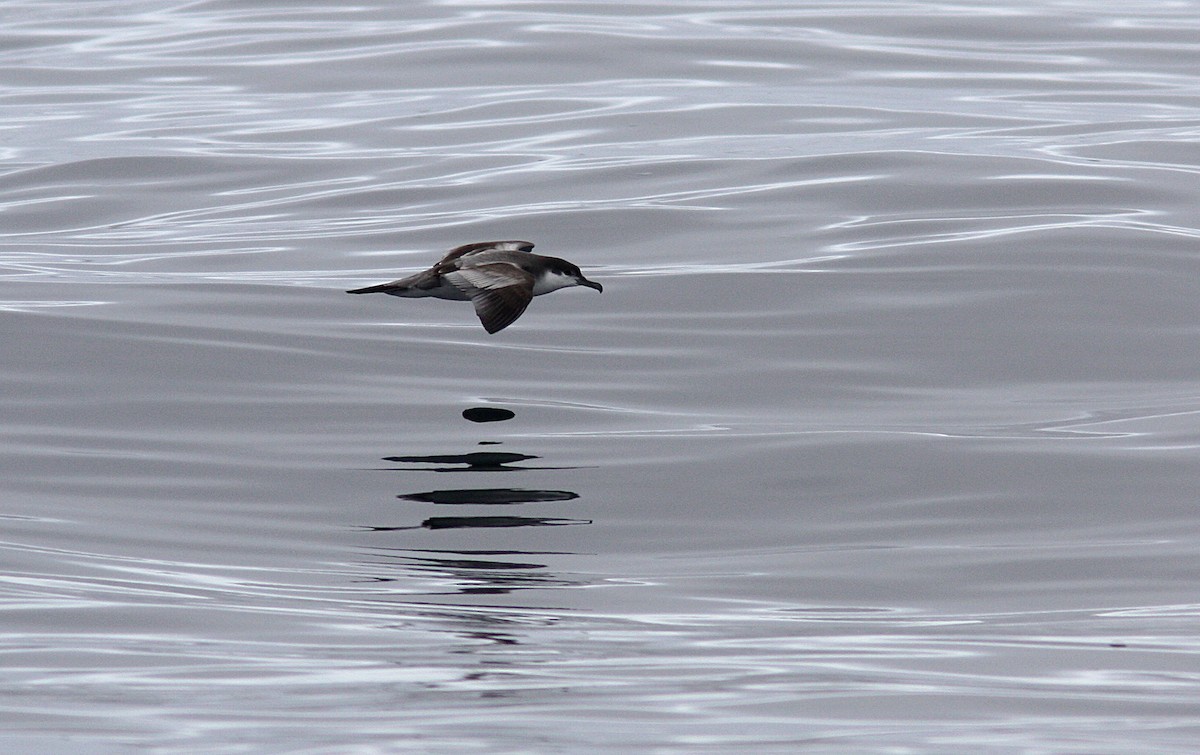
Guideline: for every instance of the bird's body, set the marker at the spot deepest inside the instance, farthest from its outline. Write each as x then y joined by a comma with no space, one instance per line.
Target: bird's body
499,277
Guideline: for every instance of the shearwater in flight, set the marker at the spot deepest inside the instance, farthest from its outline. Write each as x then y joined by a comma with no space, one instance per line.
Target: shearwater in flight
499,277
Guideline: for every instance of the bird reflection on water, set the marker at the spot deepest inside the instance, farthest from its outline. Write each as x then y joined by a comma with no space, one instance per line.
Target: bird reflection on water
490,496
476,575
477,461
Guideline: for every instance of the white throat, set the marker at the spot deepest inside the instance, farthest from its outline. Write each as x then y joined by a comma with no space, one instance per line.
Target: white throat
552,280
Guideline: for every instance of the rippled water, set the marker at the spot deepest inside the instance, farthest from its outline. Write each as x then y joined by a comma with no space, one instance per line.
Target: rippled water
882,436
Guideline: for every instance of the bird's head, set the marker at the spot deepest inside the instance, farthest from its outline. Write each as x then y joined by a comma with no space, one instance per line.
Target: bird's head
562,274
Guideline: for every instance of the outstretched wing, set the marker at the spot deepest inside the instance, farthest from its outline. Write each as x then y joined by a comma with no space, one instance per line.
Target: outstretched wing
500,307
503,291
448,262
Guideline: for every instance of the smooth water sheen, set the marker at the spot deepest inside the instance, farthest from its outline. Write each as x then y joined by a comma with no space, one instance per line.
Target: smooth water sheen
883,436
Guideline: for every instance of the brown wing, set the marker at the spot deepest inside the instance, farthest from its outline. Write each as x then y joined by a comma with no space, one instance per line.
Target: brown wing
448,262
503,292
500,307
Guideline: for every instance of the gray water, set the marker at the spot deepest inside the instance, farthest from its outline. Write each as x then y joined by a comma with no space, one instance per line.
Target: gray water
881,438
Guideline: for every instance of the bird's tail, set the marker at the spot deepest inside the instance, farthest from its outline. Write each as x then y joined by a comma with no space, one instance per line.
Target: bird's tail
382,287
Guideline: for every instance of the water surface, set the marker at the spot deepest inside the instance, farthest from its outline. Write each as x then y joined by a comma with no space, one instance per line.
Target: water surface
881,436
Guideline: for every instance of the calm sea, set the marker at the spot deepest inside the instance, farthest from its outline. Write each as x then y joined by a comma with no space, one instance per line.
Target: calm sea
883,437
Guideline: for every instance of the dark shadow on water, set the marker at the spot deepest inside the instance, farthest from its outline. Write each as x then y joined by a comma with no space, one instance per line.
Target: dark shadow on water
474,571
488,414
489,496
465,522
476,461
473,576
